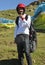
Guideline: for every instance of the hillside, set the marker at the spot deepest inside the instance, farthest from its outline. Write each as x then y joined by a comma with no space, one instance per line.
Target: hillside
11,14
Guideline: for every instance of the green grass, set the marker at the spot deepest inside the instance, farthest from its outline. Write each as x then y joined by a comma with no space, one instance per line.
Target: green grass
8,14
8,50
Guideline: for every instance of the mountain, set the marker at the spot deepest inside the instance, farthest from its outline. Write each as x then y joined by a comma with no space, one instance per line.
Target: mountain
12,14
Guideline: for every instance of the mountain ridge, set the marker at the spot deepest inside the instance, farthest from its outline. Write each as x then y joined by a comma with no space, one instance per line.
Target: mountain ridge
12,14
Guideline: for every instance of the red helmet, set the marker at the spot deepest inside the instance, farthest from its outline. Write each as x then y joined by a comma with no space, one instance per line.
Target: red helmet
21,5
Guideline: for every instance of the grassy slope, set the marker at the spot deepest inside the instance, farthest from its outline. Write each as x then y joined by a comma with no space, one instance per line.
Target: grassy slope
8,50
12,14
9,14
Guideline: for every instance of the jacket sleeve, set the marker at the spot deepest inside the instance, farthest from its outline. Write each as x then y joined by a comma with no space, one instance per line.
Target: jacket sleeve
36,13
15,31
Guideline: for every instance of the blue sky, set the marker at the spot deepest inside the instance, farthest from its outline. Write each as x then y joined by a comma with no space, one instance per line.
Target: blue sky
11,4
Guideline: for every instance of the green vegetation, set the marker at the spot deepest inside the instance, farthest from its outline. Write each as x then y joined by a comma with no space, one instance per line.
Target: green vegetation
12,14
8,50
9,14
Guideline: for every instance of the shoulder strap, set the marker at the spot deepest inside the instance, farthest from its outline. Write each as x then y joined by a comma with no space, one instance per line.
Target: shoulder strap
17,20
26,17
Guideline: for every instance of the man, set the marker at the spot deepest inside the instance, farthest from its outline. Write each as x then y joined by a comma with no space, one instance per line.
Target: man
21,34
39,9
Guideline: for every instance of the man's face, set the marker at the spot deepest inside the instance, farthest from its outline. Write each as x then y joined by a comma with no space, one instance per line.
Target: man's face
21,11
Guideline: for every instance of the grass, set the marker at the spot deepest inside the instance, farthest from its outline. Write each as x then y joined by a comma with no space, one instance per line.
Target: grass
8,50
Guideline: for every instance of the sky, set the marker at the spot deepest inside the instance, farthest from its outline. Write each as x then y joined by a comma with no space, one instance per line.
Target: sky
11,4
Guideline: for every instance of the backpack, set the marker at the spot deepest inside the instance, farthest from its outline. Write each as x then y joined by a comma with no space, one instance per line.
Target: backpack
32,36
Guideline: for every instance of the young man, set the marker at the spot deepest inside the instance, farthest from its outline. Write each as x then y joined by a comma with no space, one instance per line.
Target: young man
39,9
21,34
